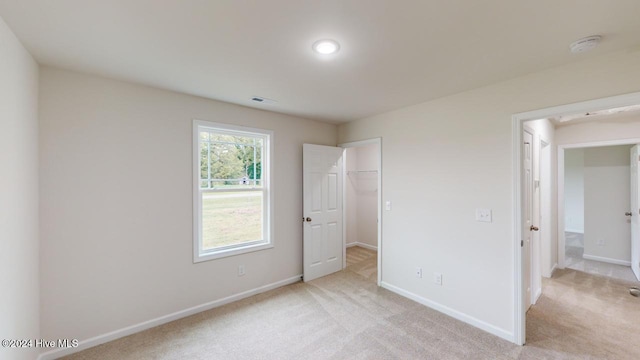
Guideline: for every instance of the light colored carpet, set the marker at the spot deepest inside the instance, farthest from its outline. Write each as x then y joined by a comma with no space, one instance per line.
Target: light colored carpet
346,316
574,249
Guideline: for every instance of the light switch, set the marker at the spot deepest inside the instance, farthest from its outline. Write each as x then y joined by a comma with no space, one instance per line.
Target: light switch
483,215
387,205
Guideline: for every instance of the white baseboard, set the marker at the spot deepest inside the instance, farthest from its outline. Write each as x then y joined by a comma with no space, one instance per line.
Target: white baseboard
113,335
509,336
366,246
553,269
549,273
537,296
607,260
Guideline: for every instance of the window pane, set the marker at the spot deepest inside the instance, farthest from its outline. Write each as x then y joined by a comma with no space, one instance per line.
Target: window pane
231,218
204,161
230,161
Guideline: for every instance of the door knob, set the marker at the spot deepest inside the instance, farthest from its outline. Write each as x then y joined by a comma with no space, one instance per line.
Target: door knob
628,213
308,219
534,228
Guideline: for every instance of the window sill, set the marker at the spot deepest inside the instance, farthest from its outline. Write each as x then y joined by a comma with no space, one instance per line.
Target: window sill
197,258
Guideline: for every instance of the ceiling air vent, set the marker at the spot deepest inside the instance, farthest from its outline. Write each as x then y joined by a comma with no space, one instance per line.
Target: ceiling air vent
261,100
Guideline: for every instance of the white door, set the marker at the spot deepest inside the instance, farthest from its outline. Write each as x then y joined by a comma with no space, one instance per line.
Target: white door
322,206
527,212
635,212
536,276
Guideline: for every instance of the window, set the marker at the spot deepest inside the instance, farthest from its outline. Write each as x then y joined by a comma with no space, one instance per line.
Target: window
232,211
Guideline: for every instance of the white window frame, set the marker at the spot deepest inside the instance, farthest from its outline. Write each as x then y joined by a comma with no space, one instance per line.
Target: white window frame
267,187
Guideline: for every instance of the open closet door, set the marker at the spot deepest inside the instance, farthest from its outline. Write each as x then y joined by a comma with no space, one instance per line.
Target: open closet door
635,212
322,206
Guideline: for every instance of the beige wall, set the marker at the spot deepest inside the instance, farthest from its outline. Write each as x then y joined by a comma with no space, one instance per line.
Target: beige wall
619,128
116,216
461,146
19,256
362,195
607,231
368,195
574,190
351,196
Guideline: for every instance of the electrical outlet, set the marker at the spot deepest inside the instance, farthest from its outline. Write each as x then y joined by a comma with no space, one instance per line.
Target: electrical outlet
387,206
483,215
241,271
437,278
419,273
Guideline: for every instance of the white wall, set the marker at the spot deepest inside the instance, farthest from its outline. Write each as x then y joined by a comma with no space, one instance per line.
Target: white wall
19,255
574,190
461,148
606,199
362,195
116,212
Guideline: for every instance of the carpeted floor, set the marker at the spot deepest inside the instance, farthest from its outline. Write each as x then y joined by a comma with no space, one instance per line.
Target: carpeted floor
574,249
346,316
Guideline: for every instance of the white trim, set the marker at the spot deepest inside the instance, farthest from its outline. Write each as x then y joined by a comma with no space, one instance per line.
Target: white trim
606,260
517,120
627,141
116,334
560,205
574,231
377,141
267,191
451,312
553,269
362,245
546,204
536,296
518,291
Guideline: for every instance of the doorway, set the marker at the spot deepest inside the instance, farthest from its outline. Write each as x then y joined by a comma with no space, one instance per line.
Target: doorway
362,210
596,192
335,217
557,222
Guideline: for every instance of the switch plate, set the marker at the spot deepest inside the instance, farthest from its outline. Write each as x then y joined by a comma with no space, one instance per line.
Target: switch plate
419,273
437,279
483,215
387,206
241,270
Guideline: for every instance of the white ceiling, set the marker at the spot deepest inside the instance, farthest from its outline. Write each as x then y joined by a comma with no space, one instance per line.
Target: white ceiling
393,53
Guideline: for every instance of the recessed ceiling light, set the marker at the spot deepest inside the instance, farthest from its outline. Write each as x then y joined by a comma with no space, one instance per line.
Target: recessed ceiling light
585,44
326,46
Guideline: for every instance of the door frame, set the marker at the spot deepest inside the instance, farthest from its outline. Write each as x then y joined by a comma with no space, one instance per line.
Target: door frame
517,120
561,150
353,144
546,200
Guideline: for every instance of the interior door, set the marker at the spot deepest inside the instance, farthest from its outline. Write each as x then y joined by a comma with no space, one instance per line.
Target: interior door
536,276
635,213
322,206
527,212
